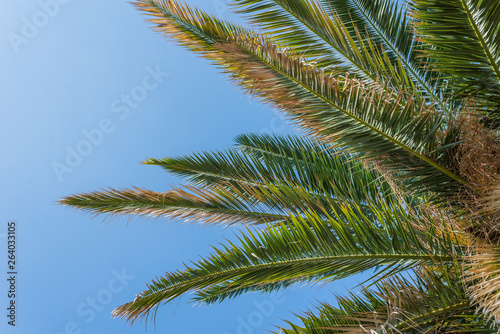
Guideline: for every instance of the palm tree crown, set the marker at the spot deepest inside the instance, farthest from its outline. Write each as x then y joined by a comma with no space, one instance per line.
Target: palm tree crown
399,172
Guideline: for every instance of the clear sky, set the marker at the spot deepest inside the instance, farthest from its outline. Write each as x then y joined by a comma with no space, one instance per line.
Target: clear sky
87,91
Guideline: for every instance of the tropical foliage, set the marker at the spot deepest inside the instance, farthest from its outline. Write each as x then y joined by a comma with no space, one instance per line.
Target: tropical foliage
399,174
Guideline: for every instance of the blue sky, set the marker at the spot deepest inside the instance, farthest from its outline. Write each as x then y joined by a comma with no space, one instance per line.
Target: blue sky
87,92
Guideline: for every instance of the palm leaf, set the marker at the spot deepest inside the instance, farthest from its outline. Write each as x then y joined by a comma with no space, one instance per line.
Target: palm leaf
326,34
266,180
343,112
304,250
483,276
306,28
285,162
300,161
388,23
210,205
427,303
466,45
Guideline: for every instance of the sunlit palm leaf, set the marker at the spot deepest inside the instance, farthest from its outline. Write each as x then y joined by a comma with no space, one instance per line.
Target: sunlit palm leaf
483,276
428,303
299,251
344,112
266,180
210,205
388,23
286,162
466,40
301,161
305,27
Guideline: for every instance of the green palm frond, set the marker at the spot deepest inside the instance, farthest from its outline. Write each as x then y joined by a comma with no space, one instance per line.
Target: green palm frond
325,34
265,180
423,303
283,161
344,112
305,27
301,161
300,251
466,45
388,23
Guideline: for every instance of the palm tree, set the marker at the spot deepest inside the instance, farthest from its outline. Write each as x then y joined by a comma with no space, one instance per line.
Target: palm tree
400,173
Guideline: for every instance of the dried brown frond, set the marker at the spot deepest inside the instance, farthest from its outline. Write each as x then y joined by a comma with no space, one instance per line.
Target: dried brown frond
477,159
492,201
482,275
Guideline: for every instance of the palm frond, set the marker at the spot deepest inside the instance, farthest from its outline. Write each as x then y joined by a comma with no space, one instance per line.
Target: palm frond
344,112
483,276
423,303
285,162
211,206
388,23
267,179
304,250
300,161
305,27
361,32
465,40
